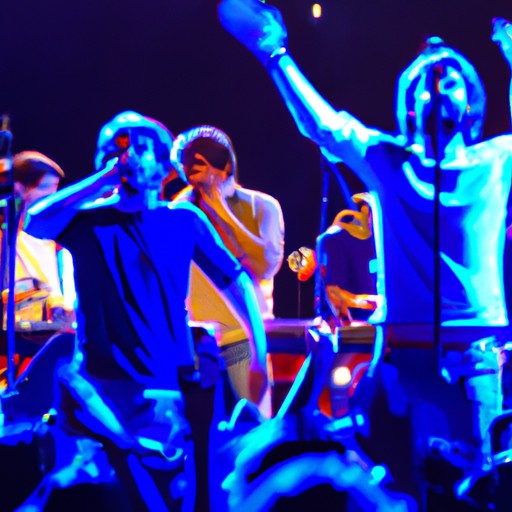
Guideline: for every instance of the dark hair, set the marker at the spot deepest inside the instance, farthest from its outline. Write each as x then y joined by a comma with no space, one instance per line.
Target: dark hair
30,166
217,154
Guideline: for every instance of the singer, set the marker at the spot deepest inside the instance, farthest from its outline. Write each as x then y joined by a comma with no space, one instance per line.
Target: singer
440,104
249,222
134,350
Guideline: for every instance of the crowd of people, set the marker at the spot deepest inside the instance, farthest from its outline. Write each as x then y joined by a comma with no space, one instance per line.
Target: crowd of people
161,252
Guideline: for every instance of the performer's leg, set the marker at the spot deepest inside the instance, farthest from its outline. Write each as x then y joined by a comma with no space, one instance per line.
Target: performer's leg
484,362
238,358
145,442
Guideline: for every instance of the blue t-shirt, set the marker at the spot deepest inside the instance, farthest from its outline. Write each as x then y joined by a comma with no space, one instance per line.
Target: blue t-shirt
132,274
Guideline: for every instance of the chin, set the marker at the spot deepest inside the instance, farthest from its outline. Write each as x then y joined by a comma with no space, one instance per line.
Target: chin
195,180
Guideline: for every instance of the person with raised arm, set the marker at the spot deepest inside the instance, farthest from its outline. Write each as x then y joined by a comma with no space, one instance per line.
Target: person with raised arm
134,351
440,196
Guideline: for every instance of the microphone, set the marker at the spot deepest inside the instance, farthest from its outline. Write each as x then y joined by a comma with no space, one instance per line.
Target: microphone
437,72
303,263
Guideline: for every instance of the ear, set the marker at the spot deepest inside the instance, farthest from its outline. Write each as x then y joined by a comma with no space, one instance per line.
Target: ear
228,169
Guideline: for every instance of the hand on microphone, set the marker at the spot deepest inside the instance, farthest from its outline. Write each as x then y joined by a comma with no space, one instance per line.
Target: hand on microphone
303,262
123,172
128,164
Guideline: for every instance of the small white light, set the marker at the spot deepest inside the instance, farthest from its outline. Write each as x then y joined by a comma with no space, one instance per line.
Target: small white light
316,11
378,474
341,376
460,94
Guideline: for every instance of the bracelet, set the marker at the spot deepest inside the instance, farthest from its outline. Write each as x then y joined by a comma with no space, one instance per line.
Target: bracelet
276,55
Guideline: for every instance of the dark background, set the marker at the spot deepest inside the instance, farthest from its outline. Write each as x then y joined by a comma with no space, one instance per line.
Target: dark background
66,67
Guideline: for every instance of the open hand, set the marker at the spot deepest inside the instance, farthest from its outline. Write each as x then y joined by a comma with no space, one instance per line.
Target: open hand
502,35
258,26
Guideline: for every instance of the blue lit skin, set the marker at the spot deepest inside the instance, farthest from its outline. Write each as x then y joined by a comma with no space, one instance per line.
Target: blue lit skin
264,21
131,180
142,161
131,123
440,80
502,36
49,216
399,170
141,173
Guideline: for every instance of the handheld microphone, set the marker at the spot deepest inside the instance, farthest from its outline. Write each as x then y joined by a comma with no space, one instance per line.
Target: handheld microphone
437,71
303,263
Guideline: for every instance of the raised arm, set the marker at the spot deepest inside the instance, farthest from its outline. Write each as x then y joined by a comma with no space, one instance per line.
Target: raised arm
50,216
261,29
502,35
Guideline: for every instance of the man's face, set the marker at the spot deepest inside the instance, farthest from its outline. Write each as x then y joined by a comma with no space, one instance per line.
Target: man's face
143,167
440,94
441,102
440,98
452,89
47,185
201,172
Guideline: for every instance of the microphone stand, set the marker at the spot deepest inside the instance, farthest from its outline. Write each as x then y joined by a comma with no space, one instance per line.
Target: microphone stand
342,183
12,235
437,125
327,166
9,250
324,166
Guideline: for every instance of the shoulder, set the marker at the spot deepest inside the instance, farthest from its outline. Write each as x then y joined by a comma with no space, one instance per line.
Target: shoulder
503,142
498,140
261,200
181,219
181,208
184,210
40,243
349,125
496,148
184,196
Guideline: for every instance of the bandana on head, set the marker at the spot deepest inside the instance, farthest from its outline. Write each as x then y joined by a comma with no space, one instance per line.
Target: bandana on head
115,137
210,142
